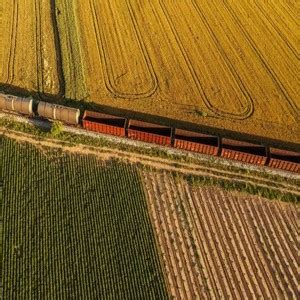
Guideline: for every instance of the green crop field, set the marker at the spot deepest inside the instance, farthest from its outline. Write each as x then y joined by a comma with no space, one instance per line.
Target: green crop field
75,227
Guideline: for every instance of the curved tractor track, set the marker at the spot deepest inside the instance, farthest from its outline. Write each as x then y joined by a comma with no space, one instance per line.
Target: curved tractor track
271,66
222,65
248,110
137,47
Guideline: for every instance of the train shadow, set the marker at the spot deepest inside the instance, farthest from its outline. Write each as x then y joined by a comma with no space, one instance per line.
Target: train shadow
219,132
43,125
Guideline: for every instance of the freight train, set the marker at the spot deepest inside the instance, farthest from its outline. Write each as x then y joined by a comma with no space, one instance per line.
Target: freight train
246,152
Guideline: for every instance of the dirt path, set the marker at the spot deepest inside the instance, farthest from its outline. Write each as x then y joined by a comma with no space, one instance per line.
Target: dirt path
105,153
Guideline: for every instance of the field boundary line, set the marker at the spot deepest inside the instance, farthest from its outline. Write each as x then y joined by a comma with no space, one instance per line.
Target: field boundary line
57,45
38,44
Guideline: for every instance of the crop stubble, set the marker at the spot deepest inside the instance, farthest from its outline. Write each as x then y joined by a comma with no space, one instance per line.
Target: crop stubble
221,244
28,59
235,61
257,27
176,58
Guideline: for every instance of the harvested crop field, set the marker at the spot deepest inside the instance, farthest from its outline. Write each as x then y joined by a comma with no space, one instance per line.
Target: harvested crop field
231,65
218,244
28,56
205,62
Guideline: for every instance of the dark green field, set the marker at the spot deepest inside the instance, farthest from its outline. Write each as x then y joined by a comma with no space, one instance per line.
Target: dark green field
75,228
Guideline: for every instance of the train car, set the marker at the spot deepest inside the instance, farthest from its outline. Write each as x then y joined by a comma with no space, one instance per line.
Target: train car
148,132
243,151
153,133
285,160
19,105
104,123
52,111
196,142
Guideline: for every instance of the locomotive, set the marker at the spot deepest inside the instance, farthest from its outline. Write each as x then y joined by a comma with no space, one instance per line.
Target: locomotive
198,142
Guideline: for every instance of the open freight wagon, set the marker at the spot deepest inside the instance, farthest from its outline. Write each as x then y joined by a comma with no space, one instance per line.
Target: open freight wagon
285,160
244,151
196,142
148,132
104,123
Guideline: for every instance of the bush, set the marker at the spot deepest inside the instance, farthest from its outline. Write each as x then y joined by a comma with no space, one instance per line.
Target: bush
201,113
56,128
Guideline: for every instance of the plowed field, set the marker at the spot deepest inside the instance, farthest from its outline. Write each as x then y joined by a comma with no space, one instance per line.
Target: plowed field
217,244
28,58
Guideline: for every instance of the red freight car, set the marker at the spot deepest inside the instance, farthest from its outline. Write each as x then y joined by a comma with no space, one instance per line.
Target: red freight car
285,160
148,132
104,123
197,142
245,152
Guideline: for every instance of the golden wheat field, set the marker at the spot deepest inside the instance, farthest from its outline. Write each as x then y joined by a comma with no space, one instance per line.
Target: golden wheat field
223,245
228,64
28,56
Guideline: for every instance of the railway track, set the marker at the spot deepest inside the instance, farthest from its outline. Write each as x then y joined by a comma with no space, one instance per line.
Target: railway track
196,169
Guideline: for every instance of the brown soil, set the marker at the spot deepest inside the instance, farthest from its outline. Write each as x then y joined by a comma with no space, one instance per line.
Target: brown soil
217,244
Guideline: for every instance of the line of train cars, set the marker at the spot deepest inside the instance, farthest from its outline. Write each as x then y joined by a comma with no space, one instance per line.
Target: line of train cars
153,133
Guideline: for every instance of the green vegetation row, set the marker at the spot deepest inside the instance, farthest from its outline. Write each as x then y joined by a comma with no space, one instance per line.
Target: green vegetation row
244,187
75,227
